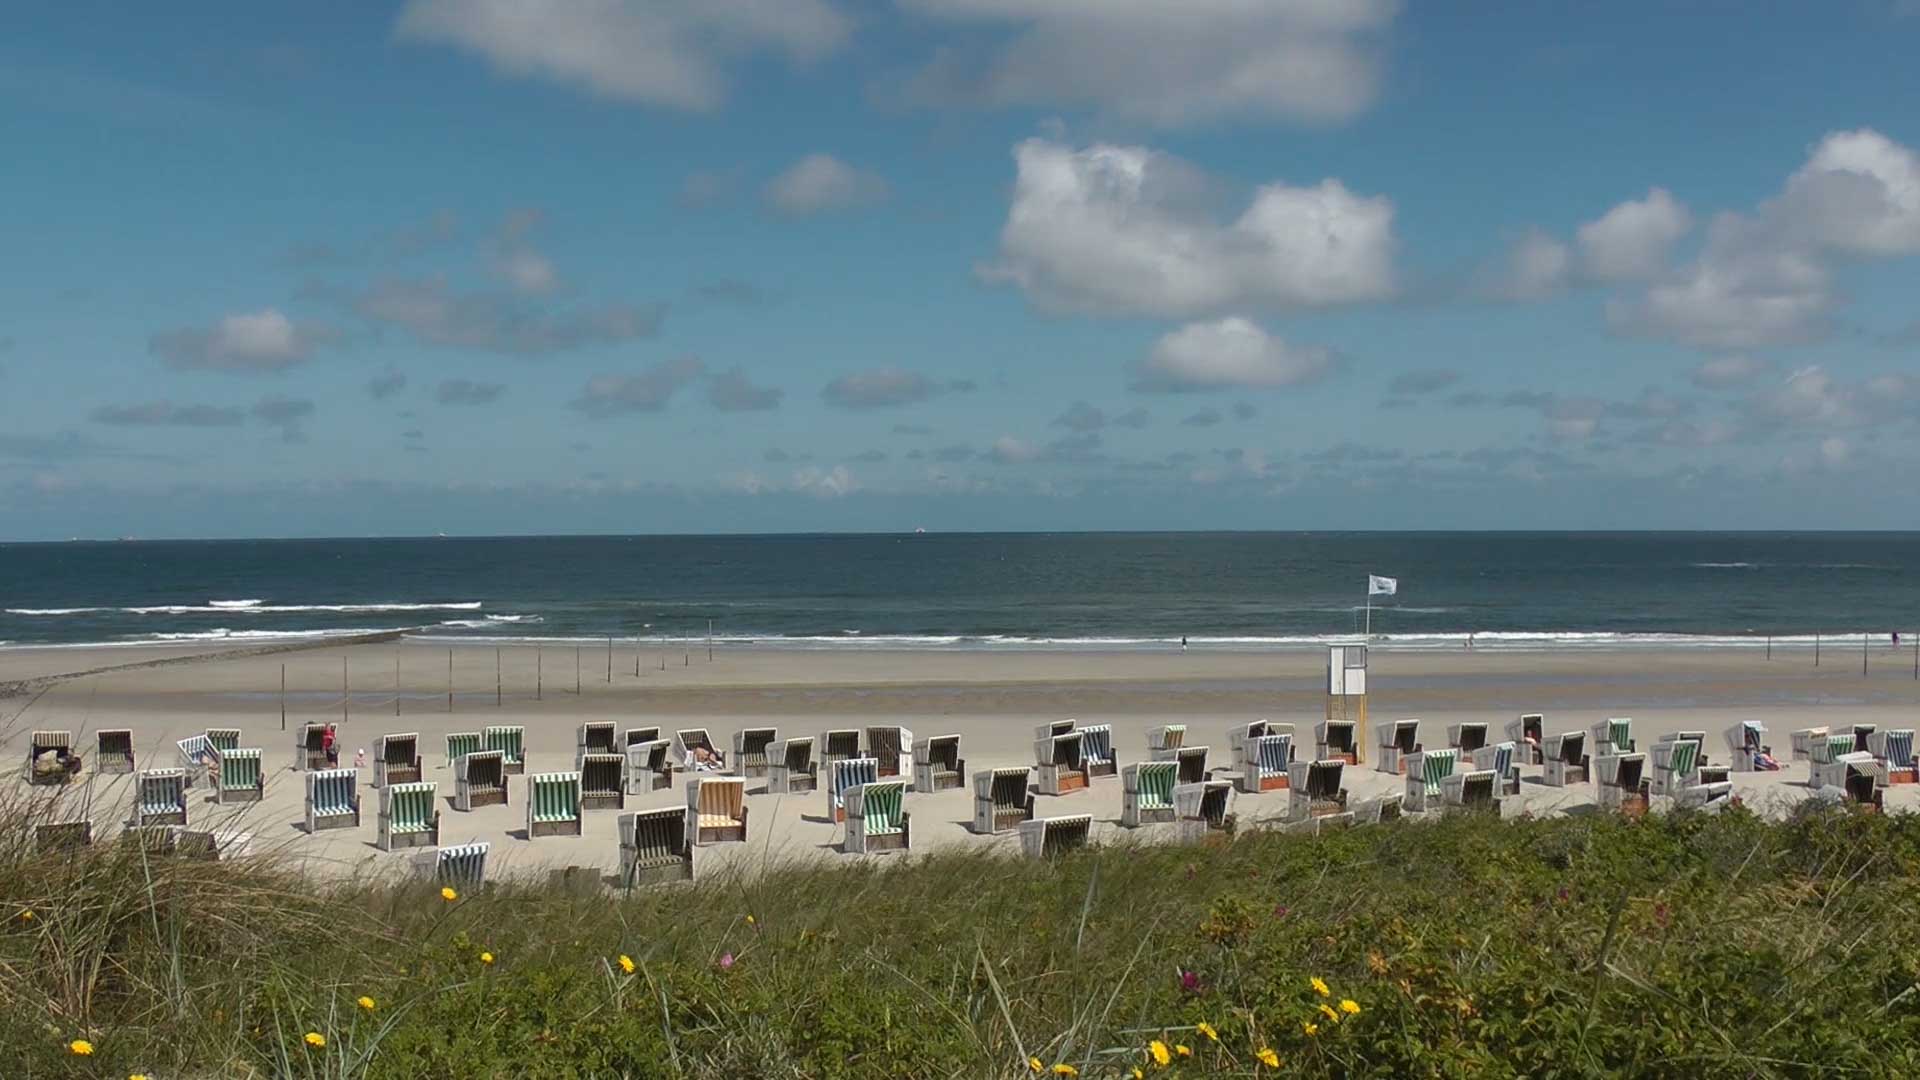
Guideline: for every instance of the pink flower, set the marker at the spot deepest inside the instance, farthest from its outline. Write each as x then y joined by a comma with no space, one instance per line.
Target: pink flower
1565,893
1280,911
1190,981
726,961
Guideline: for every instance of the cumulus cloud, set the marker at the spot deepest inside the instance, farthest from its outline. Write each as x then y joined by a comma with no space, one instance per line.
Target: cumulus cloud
732,391
1632,241
822,183
1166,64
436,315
166,414
646,391
1537,266
824,483
468,392
1858,193
1722,372
1230,352
884,388
386,384
651,52
1126,229
257,341
1813,398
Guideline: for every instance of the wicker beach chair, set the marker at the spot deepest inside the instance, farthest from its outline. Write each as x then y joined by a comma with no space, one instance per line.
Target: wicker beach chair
480,779
634,736
717,809
649,766
332,799
1500,759
1674,765
1623,783
51,837
113,751
791,769
462,866
1000,800
654,848
161,798
1864,784
1701,738
1162,741
396,759
937,764
1425,771
892,747
1201,811
844,774
553,804
1314,790
603,782
1613,735
1470,792
1047,838
1240,734
223,738
1054,727
1861,733
877,819
50,758
1564,759
1060,764
1335,740
838,744
1264,761
1467,736
1399,740
460,744
511,742
241,777
1744,744
750,750
686,741
1146,793
1803,742
309,747
409,816
596,737
1096,751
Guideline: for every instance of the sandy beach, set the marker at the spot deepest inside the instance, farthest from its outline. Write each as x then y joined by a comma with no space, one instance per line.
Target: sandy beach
992,699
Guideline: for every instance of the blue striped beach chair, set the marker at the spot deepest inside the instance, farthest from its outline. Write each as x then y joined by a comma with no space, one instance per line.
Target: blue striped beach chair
161,798
717,809
649,766
937,764
1500,759
479,779
654,848
462,866
113,751
1399,740
1425,771
1096,751
1048,838
1202,811
791,769
241,778
333,799
460,744
409,816
396,759
553,804
847,773
511,741
877,819
603,781
1623,783
1265,760
1894,750
1001,800
1060,764
1564,759
1146,793
750,750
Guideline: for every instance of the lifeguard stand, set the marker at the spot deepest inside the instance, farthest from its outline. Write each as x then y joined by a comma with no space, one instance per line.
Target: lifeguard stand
1347,689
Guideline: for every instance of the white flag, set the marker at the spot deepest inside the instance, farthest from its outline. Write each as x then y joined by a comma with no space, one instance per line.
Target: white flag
1382,586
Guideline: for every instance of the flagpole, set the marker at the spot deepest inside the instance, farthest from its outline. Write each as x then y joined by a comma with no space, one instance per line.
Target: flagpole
1369,609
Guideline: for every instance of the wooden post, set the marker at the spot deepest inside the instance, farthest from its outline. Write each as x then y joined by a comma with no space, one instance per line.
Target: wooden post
576,669
1769,646
609,661
283,697
496,676
1863,656
709,641
636,659
1816,648
1916,656
346,691
539,656
449,680
396,680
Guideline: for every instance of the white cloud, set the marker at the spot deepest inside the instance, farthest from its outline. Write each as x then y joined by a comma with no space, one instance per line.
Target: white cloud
1631,242
1168,64
249,341
1720,372
1008,450
437,315
820,183
654,52
1834,450
1858,193
647,391
529,272
825,483
1230,352
1121,229
1537,267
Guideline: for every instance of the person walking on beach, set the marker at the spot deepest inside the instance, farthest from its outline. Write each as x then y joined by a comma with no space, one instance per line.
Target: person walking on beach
1183,643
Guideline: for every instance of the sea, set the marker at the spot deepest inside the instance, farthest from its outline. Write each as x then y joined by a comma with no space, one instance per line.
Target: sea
1102,591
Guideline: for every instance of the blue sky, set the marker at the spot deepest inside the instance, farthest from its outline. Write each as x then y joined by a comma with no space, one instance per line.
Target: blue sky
511,267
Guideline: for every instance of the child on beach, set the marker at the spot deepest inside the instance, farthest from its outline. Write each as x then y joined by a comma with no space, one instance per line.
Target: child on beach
330,747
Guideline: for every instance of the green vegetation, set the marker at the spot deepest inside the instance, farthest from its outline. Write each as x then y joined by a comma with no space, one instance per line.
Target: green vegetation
1578,946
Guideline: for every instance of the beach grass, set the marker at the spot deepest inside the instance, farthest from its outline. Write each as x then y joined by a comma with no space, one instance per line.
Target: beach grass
1582,945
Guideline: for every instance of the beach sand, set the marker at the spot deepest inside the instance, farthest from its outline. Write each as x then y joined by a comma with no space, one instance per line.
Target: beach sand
992,699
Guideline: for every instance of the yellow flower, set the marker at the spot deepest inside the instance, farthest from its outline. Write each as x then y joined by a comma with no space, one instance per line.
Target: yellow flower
626,963
316,1040
1159,1051
1206,1029
366,1003
1034,1064
81,1047
1182,1050
486,958
447,894
749,920
137,1076
1310,1027
1327,1011
1268,1058
1064,1069
1137,1074
1319,987
26,915
1350,1007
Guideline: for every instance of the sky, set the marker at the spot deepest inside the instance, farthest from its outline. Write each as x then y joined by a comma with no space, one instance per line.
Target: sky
538,266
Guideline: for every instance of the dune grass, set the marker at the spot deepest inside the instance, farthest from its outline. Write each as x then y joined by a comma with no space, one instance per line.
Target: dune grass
1576,946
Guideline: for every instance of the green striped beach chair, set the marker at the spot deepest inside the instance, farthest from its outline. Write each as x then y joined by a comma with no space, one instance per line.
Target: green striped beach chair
596,737
1061,764
333,799
877,819
409,816
480,779
1825,767
1097,755
553,804
511,741
460,744
654,848
603,782
1201,810
309,746
892,748
1613,735
1623,783
1146,793
937,764
223,738
1467,736
1048,838
113,750
396,758
462,866
717,809
1334,740
649,766
1314,791
50,837
750,750
1527,733
241,777
1001,800
1894,750
1162,741
1425,771
1674,763
1804,740
1399,740
1264,763
1470,792
1564,759
636,735
791,769
161,798
844,774
50,758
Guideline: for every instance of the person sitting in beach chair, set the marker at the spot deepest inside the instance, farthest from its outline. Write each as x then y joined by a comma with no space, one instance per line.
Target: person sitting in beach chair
50,758
697,752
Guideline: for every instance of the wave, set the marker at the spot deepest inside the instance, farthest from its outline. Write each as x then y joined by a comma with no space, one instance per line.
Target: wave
489,622
253,607
225,634
1725,565
55,611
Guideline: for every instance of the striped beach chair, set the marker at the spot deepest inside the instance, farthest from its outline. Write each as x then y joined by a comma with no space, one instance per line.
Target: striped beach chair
553,804
152,839
1162,741
1744,743
1803,742
838,744
877,819
687,740
1701,738
460,744
1527,733
1240,734
1613,735
603,782
241,777
649,766
844,774
462,866
50,758
1467,736
196,757
1334,740
396,759
1499,758
791,769
654,848
1894,750
333,799
1060,764
1202,811
1824,767
892,747
1673,765
1425,773
1623,783
1470,792
634,736
51,837
161,798
1000,800
310,746
511,742
717,809
1047,838
1564,759
113,750
1146,793
1314,790
1864,784
1096,751
1264,763
596,737
937,764
750,750
479,779
409,816
1399,740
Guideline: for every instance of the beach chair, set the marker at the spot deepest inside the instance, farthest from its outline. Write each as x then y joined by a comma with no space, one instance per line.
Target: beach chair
480,779
937,764
1861,733
877,819
654,848
1060,764
1467,736
1613,735
1146,793
553,804
1162,741
716,809
686,741
1470,792
1054,727
1201,810
152,839
1192,761
1894,751
511,741
1704,797
1046,838
1744,744
1238,735
1564,759
309,746
460,744
1864,783
1526,734
1824,767
241,777
333,799
396,759
1000,800
750,750
50,758
1378,810
649,766
462,866
223,738
790,766
161,798
1313,789
1701,738
1673,765
1399,740
603,782
113,751
1264,762
409,816
1803,742
634,736
892,747
596,737
1500,759
839,744
1622,783
843,774
50,837
1425,771
1333,740
1096,751
196,757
